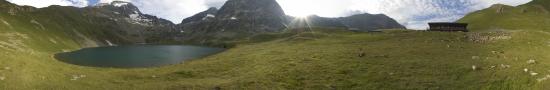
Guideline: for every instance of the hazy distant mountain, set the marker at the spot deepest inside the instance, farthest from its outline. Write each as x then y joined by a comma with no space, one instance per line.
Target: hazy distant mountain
359,22
314,21
370,22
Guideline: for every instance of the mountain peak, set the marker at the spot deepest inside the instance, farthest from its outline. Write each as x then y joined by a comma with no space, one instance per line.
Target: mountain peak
119,7
255,15
201,16
236,18
249,7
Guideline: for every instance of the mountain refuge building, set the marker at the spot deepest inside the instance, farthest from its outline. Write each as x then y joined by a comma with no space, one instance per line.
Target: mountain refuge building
448,27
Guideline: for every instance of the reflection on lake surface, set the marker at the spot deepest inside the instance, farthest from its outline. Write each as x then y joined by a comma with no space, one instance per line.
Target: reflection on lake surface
136,55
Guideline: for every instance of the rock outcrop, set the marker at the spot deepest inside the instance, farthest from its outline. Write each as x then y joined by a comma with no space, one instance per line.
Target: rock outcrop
134,25
235,19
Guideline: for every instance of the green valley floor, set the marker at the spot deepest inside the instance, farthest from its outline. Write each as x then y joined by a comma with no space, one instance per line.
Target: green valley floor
323,59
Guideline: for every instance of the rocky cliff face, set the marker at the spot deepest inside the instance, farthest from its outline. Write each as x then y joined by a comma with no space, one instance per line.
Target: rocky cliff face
205,15
235,19
134,25
252,15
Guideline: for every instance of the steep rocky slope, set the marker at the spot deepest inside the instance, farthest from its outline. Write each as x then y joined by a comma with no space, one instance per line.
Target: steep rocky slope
235,19
134,25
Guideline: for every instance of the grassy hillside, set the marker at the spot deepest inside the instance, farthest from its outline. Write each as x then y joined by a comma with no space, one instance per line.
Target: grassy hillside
532,16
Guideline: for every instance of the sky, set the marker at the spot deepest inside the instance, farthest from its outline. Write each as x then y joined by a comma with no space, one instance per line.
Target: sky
414,14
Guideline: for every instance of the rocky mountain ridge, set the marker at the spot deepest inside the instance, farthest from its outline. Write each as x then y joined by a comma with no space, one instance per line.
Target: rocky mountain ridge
243,18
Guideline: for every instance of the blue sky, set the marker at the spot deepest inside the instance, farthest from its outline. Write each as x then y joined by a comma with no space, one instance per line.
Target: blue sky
92,2
413,14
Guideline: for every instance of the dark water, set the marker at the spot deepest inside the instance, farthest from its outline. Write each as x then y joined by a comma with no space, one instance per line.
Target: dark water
136,56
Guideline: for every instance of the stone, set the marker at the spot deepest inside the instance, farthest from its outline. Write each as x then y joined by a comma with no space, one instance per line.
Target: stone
493,67
541,79
475,57
361,54
532,61
504,66
533,73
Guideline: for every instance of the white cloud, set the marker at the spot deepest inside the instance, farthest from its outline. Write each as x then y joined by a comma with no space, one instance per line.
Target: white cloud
109,1
46,3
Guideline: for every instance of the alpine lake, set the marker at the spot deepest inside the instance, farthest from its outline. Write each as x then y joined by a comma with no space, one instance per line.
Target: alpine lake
136,56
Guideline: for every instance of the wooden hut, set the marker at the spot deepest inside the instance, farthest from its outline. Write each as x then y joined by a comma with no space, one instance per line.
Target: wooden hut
448,27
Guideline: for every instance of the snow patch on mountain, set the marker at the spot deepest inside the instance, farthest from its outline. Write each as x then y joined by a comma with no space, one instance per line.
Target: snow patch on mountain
139,19
209,16
120,4
134,16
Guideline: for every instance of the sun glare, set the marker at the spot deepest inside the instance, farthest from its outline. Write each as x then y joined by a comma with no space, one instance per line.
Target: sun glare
303,8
